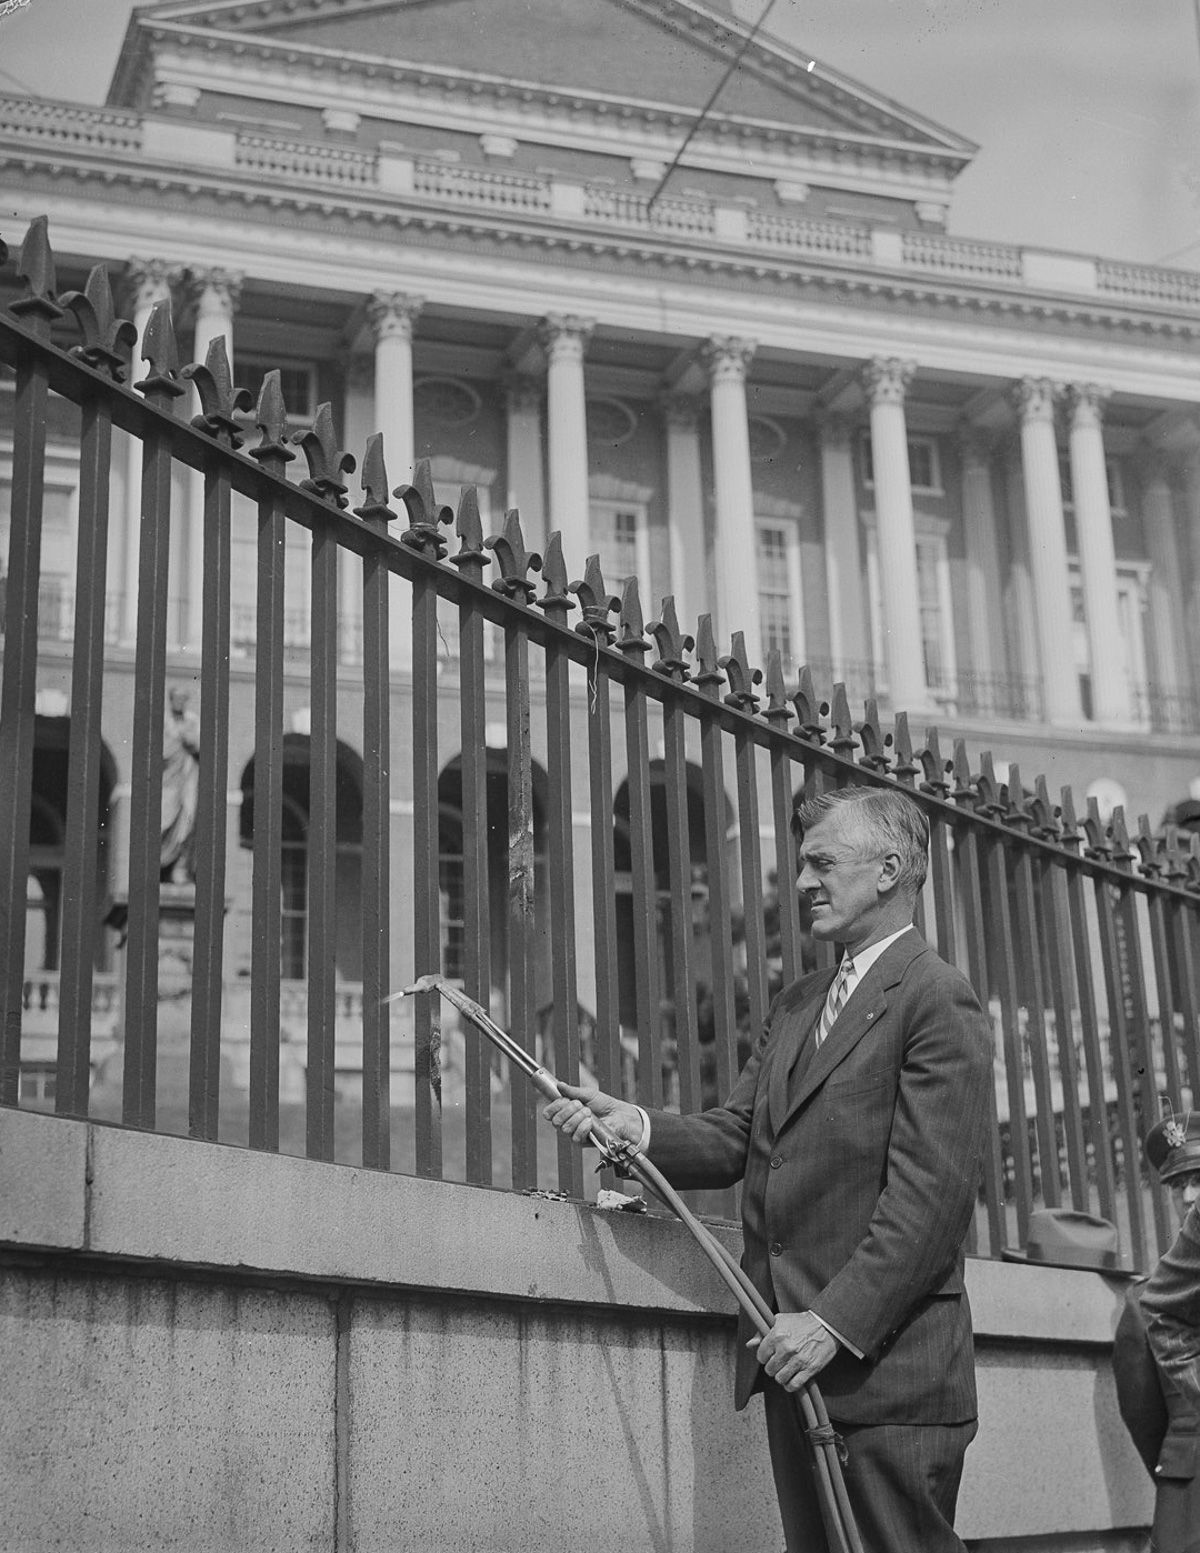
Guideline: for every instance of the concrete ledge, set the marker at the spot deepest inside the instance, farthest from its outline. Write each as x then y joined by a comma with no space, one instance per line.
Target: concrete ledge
43,1181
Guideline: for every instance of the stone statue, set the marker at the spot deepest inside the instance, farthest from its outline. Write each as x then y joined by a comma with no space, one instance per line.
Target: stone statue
180,789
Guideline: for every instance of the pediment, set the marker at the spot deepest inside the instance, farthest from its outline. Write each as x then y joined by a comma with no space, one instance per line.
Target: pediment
660,53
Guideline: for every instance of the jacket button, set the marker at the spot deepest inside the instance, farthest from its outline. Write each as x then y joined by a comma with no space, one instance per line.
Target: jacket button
776,1248
776,1161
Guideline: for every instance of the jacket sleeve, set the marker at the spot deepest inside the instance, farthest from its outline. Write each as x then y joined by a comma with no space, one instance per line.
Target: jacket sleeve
1171,1304
931,1172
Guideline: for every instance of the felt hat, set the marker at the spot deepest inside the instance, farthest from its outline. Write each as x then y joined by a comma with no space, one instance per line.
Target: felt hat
1173,1145
1065,1237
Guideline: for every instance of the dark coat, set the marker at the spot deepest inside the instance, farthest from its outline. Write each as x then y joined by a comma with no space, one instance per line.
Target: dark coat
860,1177
1170,1306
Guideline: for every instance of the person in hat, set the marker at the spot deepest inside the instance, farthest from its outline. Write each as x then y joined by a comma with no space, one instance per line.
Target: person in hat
857,1127
1156,1354
1067,1237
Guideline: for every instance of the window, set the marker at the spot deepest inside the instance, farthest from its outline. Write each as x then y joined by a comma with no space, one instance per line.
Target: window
619,535
298,382
924,465
780,605
934,607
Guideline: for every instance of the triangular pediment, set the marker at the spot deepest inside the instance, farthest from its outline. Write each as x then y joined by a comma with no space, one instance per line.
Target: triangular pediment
670,53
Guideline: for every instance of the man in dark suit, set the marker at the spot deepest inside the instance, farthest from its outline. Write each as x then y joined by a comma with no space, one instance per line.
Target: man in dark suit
1156,1353
857,1127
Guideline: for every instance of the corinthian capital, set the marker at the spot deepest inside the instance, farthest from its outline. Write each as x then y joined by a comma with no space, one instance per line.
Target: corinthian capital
1033,399
1086,402
727,357
393,313
218,287
148,281
886,378
565,335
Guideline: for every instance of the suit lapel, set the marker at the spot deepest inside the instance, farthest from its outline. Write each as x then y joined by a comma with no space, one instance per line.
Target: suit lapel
859,1015
798,1027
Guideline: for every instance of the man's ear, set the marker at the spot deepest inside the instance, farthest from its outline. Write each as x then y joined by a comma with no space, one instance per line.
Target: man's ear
889,872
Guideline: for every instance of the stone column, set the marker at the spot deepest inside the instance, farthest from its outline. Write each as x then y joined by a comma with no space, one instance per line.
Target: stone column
564,340
1097,556
359,425
215,293
525,473
848,637
1020,612
982,557
149,282
685,507
885,380
735,543
1034,399
391,315
1166,611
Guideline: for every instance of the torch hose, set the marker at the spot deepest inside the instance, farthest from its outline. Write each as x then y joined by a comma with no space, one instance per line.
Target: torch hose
831,1484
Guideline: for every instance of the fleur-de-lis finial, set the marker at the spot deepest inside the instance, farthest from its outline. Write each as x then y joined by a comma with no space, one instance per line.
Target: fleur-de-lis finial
514,560
742,678
708,670
1069,836
425,516
906,768
965,794
778,713
673,646
161,349
470,557
988,788
810,708
375,509
1123,853
108,341
36,269
1043,819
841,723
1095,833
556,600
327,463
219,399
270,417
595,602
1150,848
874,741
630,622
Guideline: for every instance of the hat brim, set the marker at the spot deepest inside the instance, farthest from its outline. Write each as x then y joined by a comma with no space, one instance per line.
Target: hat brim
1007,1255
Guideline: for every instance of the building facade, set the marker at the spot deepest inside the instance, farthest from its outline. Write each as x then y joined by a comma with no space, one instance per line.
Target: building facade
757,374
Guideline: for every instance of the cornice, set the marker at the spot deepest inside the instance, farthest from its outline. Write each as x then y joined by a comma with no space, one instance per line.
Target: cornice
500,93
952,298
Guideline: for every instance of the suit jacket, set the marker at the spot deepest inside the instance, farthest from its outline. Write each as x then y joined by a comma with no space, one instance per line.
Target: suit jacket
860,1178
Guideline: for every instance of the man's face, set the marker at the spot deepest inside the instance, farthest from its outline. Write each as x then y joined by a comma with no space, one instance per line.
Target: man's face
1185,1190
840,876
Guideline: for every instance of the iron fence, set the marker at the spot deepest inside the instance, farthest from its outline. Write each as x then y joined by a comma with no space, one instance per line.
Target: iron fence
632,842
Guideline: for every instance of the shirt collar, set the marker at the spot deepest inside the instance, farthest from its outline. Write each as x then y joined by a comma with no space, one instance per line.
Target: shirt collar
865,958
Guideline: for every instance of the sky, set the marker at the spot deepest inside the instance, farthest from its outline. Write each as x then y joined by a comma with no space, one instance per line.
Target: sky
1087,112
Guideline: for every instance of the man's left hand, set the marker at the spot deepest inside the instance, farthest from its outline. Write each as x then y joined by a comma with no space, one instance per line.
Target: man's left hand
795,1349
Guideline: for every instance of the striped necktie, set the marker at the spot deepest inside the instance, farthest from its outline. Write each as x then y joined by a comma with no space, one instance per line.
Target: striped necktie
836,1000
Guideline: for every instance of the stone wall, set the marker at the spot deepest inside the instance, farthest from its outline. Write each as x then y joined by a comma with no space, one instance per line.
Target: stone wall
217,1350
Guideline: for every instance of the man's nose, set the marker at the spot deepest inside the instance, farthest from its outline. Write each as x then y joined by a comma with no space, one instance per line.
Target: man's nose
1191,1192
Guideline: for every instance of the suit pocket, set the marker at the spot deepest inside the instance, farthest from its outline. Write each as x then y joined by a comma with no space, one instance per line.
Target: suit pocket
859,1084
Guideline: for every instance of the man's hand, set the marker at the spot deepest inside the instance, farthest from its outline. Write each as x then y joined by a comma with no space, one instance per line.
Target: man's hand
577,1108
795,1349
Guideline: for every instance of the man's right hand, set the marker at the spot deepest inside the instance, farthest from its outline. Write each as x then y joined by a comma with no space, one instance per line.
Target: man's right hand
576,1110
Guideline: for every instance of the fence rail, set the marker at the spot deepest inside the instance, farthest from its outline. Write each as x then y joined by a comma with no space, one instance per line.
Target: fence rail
619,876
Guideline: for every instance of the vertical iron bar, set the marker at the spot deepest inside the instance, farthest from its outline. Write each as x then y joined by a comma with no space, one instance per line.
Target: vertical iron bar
522,1009
1028,958
716,863
1160,945
750,848
322,846
376,842
1093,1056
1142,1052
1005,975
1058,961
145,786
80,908
266,958
560,839
212,810
679,858
1118,1035
17,695
943,892
785,863
1183,935
644,894
426,899
476,884
966,852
